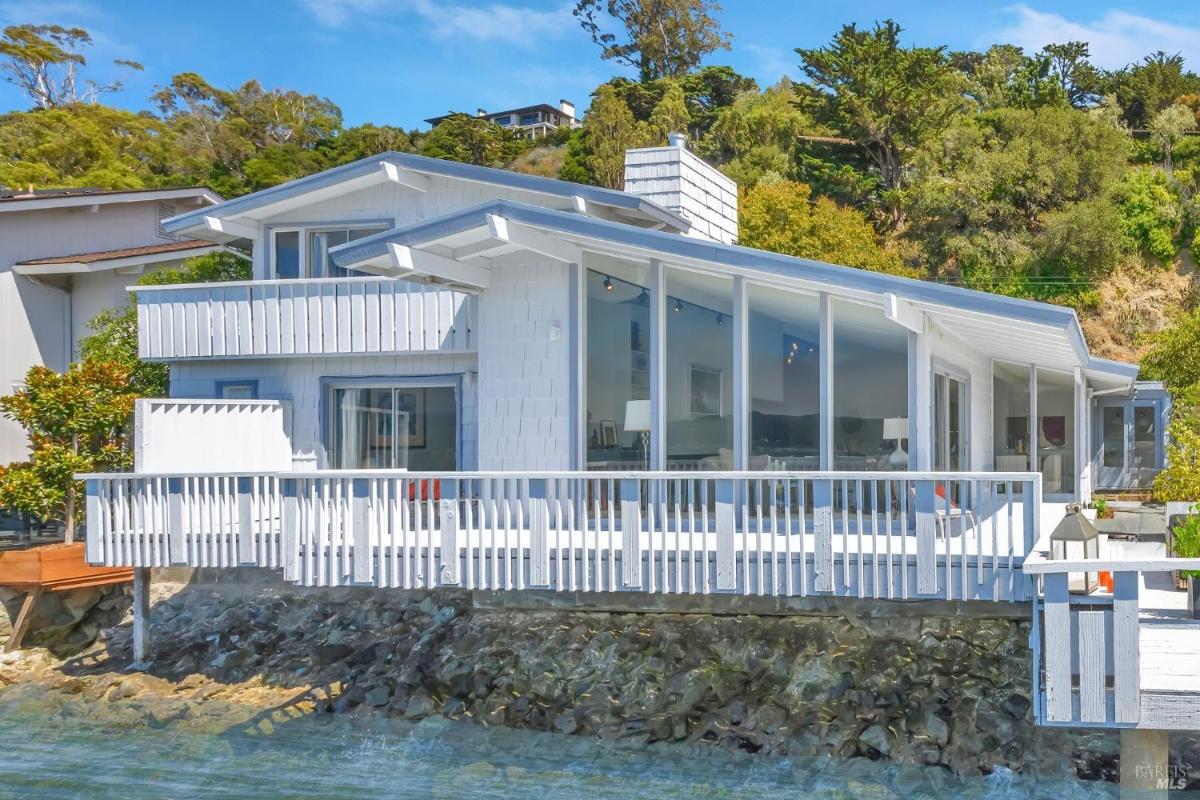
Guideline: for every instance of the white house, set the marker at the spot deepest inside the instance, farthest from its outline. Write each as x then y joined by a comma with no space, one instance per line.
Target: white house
65,256
446,375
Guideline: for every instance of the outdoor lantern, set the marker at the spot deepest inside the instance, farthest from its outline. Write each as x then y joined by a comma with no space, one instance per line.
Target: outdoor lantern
1075,538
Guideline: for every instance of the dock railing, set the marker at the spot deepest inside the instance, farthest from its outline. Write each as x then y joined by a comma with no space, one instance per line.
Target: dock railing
884,535
303,317
1088,660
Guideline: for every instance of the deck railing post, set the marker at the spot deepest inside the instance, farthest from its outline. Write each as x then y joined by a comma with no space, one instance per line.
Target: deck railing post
289,523
1126,648
926,516
822,509
96,515
539,534
726,517
176,544
448,567
360,516
245,518
631,533
1057,648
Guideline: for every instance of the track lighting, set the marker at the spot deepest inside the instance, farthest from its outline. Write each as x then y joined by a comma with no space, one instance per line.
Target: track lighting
608,284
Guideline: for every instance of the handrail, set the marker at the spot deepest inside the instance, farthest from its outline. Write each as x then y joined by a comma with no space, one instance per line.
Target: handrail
897,475
274,282
1037,564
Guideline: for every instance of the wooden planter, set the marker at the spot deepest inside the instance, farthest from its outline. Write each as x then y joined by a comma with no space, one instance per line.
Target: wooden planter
51,568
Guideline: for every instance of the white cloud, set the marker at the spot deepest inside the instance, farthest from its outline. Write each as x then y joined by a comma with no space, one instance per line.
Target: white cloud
1117,38
773,62
493,22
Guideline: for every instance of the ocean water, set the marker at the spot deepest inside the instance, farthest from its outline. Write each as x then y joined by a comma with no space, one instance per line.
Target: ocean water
55,748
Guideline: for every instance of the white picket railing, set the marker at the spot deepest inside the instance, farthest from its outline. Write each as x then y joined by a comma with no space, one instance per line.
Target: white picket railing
1089,666
879,535
303,317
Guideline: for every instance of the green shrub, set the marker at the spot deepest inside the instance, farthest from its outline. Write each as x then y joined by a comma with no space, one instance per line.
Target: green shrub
1186,539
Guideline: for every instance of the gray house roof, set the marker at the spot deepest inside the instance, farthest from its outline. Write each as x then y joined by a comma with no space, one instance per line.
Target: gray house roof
977,316
638,207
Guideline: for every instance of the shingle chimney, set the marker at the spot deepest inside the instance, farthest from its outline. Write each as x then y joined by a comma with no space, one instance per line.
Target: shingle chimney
678,179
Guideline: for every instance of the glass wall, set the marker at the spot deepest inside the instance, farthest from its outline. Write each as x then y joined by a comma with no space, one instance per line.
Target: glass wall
1010,417
1145,437
699,371
618,363
870,389
393,427
785,380
1112,434
1056,431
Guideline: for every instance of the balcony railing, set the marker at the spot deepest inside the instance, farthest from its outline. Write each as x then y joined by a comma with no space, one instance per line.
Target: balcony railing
303,317
885,535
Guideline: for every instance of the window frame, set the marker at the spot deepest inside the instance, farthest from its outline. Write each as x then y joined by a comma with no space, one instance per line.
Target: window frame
304,230
223,386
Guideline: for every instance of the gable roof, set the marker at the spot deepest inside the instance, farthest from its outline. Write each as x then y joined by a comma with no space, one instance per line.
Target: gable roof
113,259
411,169
1026,326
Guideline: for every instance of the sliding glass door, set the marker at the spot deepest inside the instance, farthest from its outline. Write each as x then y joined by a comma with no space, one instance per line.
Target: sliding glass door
950,423
393,427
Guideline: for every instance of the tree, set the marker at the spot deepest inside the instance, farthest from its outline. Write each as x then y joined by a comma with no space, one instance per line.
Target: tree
44,61
76,421
474,140
781,216
608,131
1167,129
755,135
1078,79
1157,82
670,115
1005,77
661,38
1151,214
886,98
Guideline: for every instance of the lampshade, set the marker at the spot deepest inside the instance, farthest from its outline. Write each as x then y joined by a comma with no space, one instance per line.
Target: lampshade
895,428
637,415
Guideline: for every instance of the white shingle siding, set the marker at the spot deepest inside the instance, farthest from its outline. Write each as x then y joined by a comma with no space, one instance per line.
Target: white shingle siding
524,377
680,180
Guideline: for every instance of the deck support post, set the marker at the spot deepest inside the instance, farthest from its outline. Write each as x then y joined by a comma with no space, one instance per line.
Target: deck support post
1145,763
141,617
23,617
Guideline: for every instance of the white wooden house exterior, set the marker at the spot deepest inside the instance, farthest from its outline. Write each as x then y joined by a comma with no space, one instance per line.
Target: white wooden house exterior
446,375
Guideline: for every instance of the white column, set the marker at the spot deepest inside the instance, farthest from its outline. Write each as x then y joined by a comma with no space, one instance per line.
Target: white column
826,389
741,375
141,617
577,338
658,365
920,400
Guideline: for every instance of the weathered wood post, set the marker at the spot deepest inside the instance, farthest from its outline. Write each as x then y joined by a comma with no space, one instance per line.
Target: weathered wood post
141,617
448,568
726,518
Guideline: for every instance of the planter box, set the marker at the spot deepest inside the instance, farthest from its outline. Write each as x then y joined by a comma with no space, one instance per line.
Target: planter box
55,567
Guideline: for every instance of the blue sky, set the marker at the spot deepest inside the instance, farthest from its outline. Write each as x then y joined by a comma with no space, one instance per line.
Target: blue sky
399,61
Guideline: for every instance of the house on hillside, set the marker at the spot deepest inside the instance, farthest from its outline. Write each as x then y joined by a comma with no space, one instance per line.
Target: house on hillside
532,122
448,375
65,256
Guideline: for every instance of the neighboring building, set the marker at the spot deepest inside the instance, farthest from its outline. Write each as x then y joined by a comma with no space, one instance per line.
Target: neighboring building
65,256
444,375
533,122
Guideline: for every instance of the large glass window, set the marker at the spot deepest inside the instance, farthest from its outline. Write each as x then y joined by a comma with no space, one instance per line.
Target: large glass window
950,421
870,389
699,371
1056,431
394,427
1112,434
292,260
287,254
1145,437
618,364
1010,421
785,380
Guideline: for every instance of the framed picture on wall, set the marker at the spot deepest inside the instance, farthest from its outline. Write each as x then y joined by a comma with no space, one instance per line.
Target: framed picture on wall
704,391
412,403
608,432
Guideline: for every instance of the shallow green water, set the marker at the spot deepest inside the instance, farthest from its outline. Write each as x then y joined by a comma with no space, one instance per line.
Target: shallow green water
55,748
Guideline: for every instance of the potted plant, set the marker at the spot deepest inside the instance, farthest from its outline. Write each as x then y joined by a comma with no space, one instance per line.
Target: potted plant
1185,543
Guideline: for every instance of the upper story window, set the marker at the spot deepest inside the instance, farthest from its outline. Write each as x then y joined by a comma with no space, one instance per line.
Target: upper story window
531,119
304,252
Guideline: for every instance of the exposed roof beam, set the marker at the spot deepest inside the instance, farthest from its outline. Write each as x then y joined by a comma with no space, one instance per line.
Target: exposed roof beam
404,177
903,313
579,204
536,241
238,230
409,260
482,247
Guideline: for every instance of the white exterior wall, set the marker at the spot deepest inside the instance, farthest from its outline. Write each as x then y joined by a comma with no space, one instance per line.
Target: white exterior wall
677,179
300,381
524,370
950,352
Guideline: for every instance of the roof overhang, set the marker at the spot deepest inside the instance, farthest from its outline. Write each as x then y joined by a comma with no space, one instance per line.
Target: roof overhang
200,196
237,218
997,326
128,264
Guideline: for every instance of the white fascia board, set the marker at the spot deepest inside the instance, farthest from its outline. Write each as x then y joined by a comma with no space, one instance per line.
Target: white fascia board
535,241
228,227
116,264
407,260
201,196
903,313
404,177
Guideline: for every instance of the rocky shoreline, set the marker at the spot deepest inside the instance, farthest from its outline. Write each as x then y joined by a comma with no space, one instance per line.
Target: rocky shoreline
950,692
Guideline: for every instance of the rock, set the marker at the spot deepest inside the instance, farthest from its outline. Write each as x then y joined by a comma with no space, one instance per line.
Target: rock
377,696
325,654
876,738
565,723
420,705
